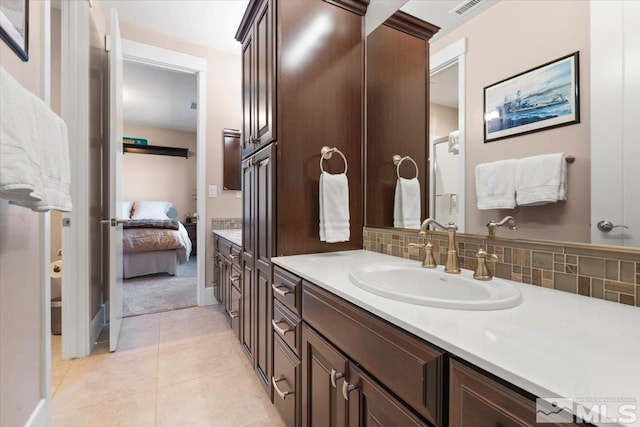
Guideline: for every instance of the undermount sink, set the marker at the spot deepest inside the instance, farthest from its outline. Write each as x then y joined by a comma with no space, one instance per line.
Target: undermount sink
434,287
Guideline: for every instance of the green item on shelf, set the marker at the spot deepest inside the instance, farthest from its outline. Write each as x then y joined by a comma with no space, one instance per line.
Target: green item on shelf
136,141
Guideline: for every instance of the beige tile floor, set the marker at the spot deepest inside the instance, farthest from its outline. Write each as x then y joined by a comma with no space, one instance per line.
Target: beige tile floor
178,368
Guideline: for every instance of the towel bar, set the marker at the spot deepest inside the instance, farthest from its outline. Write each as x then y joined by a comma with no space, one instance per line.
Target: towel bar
569,159
327,152
397,160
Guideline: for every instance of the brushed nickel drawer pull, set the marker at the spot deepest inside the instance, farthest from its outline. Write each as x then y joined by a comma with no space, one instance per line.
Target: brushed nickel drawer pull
234,256
335,376
347,388
280,292
254,140
234,314
283,394
282,332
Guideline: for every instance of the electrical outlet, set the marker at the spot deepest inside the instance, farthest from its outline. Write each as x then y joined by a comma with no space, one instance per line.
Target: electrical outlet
213,191
238,194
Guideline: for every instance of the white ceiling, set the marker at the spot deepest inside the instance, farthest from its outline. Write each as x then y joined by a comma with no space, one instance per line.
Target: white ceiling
158,97
437,12
211,23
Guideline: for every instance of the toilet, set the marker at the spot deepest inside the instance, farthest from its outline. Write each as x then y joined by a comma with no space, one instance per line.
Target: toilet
56,297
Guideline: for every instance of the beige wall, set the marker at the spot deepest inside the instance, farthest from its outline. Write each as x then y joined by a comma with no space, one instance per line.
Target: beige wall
224,109
509,38
20,270
153,177
442,120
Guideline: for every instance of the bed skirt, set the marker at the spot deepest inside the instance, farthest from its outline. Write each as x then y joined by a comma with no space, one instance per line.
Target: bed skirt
143,263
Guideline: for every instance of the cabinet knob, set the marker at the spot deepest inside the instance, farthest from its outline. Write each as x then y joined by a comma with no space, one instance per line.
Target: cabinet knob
335,376
348,388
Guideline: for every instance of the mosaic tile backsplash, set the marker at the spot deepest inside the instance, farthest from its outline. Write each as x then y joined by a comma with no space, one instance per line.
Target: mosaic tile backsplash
598,272
226,223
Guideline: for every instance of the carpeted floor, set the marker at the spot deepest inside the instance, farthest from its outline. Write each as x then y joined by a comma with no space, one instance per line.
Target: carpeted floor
161,292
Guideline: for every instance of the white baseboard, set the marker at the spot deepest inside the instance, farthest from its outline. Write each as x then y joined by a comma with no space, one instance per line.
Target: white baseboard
41,415
208,296
97,324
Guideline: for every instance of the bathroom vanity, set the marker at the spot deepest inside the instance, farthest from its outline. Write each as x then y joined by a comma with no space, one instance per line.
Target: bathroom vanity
343,356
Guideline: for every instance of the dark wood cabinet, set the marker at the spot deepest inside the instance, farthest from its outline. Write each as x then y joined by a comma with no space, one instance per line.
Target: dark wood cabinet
232,177
397,111
258,182
258,78
286,383
371,405
228,274
477,399
323,374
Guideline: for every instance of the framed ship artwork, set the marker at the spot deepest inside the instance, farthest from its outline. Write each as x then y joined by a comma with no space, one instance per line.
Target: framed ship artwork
14,26
542,98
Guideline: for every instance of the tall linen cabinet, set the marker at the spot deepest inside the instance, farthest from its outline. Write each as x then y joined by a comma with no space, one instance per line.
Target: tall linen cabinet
303,88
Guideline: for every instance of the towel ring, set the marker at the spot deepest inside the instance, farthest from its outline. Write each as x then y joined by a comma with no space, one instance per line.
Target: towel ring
397,160
327,152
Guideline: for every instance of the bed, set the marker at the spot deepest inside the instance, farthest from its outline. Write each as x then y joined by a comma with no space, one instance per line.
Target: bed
152,242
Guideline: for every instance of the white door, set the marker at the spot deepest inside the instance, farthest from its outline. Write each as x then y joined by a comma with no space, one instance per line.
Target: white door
615,129
115,182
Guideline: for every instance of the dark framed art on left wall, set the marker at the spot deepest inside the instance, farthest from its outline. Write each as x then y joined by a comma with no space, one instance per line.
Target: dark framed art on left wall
14,26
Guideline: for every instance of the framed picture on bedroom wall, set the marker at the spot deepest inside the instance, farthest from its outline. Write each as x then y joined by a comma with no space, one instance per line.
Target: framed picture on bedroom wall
14,26
539,99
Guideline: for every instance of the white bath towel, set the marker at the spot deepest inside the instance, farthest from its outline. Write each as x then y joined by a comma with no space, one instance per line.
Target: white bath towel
454,142
334,208
34,155
406,205
541,179
495,185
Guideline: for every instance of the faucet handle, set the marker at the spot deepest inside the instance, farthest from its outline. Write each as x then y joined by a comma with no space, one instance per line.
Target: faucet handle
482,271
429,260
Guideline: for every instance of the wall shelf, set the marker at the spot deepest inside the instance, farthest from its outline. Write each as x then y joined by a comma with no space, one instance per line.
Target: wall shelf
156,149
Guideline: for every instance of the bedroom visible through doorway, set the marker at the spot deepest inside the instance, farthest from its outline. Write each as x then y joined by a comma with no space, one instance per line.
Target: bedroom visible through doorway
160,189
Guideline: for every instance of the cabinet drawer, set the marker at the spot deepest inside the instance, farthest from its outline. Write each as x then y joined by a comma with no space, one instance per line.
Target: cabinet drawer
287,289
287,326
235,255
234,313
235,277
286,383
408,367
229,251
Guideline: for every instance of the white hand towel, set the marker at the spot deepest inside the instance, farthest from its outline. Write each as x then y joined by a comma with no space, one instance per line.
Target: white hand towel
495,185
406,206
541,179
334,208
454,142
34,155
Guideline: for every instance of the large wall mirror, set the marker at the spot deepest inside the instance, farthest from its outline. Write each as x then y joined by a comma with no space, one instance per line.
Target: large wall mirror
499,40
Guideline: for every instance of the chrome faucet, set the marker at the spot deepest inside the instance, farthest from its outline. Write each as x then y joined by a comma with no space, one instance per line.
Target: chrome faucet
453,262
493,226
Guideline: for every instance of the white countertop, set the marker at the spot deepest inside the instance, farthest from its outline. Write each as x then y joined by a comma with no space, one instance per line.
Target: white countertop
234,235
554,344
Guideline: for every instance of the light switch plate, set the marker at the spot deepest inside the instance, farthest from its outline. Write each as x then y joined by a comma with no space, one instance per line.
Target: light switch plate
238,194
213,191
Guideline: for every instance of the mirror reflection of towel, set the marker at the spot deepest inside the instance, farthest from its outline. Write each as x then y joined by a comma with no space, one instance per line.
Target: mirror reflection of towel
495,185
407,203
334,208
541,179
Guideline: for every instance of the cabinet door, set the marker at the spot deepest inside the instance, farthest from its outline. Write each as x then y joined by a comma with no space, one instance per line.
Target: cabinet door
323,372
264,65
286,383
370,405
475,399
248,106
248,259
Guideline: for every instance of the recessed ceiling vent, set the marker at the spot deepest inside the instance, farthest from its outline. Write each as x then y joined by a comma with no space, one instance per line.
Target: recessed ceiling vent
466,7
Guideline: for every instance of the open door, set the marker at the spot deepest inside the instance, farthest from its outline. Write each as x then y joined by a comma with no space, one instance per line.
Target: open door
115,183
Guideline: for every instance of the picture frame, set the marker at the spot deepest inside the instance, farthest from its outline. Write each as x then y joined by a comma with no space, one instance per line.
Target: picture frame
538,99
14,26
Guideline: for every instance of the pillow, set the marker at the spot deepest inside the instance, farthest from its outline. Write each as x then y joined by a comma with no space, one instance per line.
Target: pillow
150,210
126,210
